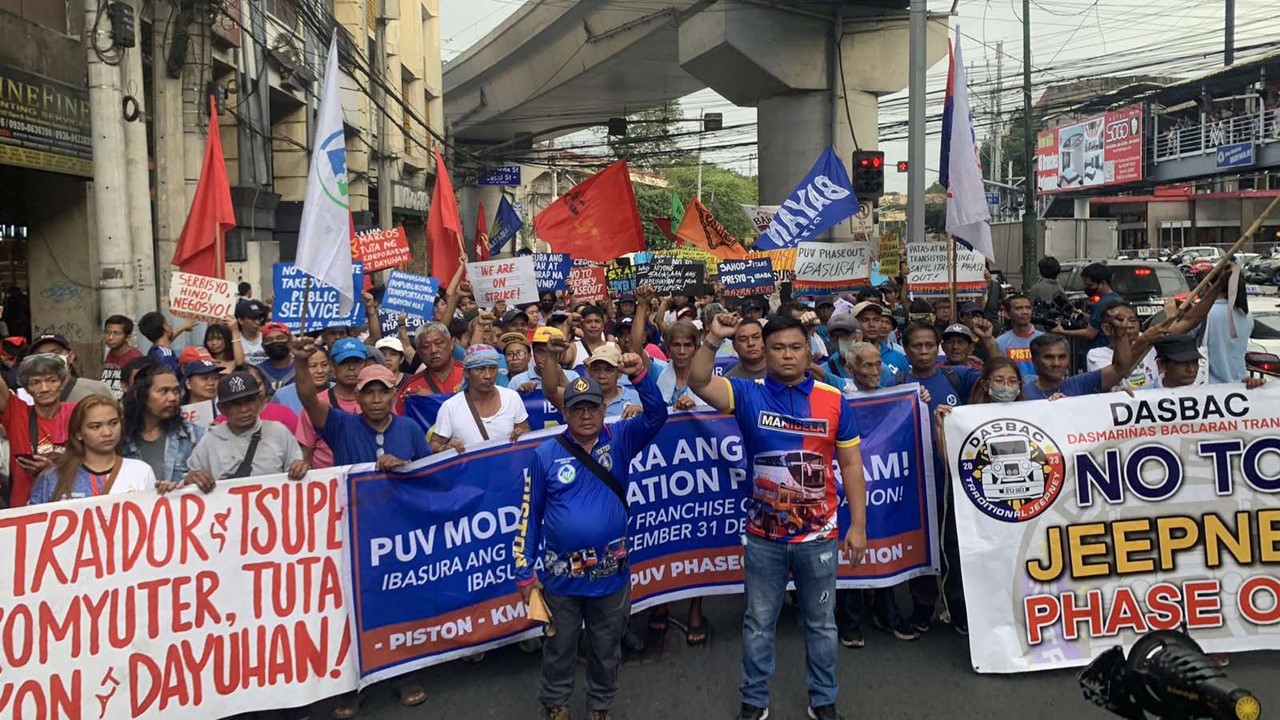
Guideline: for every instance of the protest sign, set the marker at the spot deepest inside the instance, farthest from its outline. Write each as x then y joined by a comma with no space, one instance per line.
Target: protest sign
832,267
200,414
783,261
760,215
413,295
187,605
688,252
511,280
391,325
890,255
552,271
432,548
1110,516
927,273
289,285
382,249
587,282
622,281
740,278
672,276
200,298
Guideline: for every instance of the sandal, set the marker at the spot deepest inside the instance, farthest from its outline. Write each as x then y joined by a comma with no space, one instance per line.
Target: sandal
348,707
412,694
658,620
698,635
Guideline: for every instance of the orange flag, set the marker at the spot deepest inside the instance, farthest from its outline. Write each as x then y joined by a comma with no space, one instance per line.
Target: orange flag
444,226
596,220
199,248
701,229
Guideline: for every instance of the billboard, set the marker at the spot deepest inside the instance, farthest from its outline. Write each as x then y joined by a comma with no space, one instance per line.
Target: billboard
44,124
1102,150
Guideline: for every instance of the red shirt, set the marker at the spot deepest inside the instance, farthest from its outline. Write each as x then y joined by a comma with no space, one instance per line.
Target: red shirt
113,363
52,436
418,383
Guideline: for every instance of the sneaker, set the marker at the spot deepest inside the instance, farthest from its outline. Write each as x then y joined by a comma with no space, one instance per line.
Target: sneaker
961,624
599,715
851,637
921,619
556,712
531,645
826,712
901,629
751,712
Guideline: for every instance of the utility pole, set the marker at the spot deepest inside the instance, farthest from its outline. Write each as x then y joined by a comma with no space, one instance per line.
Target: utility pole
142,240
1028,157
702,130
915,124
110,191
1229,51
997,167
384,146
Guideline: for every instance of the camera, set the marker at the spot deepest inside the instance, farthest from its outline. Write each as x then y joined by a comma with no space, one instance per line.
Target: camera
1048,315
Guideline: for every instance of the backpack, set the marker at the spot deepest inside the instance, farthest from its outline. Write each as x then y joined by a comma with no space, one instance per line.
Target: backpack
947,371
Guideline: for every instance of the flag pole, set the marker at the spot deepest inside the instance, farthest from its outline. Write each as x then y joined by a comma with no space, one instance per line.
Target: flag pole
951,277
306,302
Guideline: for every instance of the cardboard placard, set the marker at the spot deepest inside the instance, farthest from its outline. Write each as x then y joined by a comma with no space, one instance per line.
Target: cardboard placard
890,255
511,279
587,282
673,276
201,298
622,281
289,284
832,267
927,270
552,271
740,278
381,249
199,414
413,295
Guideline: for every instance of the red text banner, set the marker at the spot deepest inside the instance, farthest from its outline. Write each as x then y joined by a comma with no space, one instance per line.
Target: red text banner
381,249
200,298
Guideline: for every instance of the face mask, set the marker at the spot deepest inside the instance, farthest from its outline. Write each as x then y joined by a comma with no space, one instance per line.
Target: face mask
276,350
1003,393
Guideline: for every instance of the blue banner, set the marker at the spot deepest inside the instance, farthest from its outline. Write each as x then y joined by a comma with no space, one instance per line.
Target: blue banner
505,226
823,198
1235,155
391,325
552,271
747,277
413,295
290,290
432,566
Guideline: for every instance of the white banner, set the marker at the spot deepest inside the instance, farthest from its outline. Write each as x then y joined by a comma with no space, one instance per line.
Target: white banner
511,280
191,605
200,298
832,267
1087,522
760,215
927,273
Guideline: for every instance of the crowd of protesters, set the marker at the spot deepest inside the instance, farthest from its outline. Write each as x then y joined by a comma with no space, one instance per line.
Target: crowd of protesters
252,398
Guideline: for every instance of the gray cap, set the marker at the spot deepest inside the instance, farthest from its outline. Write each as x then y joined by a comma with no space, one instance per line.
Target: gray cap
844,322
583,390
961,330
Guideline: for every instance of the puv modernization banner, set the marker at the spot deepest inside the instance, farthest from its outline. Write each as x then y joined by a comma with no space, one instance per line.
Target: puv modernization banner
1087,522
433,568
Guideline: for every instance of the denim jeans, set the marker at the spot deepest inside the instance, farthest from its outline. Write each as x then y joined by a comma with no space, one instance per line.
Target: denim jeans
813,567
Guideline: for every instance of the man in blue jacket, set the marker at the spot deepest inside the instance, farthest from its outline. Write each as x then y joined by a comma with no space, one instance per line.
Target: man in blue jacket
575,503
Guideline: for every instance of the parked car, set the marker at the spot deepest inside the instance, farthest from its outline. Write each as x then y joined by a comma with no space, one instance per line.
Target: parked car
1142,283
1188,254
1263,272
1264,342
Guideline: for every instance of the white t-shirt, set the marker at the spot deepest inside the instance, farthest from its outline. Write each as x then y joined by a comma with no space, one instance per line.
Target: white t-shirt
253,352
1144,376
455,421
135,476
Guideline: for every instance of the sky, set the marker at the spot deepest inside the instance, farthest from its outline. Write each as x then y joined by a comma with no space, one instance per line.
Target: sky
1070,39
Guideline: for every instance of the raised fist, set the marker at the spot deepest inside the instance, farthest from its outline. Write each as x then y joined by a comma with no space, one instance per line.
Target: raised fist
631,364
724,325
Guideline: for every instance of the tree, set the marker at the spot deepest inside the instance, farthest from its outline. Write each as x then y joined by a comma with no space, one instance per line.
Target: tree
1010,147
649,142
723,193
653,202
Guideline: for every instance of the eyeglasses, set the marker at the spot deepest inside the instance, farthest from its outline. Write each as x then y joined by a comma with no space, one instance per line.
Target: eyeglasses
380,438
517,354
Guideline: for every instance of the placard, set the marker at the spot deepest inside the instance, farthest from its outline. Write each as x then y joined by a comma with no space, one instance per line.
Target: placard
511,279
890,255
414,295
382,249
289,285
552,271
672,276
927,270
622,281
783,261
587,282
832,267
201,298
740,278
200,414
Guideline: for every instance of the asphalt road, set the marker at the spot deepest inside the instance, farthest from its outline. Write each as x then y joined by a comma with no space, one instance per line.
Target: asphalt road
921,680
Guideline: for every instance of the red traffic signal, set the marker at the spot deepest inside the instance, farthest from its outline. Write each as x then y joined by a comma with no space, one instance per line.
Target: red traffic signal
902,166
871,161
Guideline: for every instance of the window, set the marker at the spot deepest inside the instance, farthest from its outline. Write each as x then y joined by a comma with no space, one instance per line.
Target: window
286,11
1172,281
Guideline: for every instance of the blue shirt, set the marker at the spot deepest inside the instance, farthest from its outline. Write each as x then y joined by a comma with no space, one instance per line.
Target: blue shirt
627,396
288,397
1018,349
893,359
575,515
1095,319
1226,354
353,441
941,390
1076,385
791,433
165,355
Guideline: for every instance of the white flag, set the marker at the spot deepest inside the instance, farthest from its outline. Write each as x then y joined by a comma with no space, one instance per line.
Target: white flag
324,235
968,218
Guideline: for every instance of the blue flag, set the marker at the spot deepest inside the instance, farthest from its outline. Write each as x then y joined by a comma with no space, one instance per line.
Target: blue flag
505,226
824,198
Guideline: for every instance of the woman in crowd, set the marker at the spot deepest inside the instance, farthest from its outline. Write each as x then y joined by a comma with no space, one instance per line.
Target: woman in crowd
223,343
91,464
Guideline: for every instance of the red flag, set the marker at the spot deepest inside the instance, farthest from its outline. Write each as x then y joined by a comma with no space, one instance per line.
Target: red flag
664,224
482,235
701,229
444,227
597,220
199,248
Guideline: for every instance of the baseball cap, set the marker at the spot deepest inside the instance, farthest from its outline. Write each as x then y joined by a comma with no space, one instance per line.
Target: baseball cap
866,305
276,327
1177,348
607,353
513,337
249,308
509,316
193,354
688,310
375,373
390,343
201,367
583,390
546,334
970,308
348,349
236,386
51,338
479,356
753,303
961,330
844,322
888,285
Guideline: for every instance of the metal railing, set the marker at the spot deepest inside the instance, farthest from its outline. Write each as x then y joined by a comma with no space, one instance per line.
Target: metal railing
1174,143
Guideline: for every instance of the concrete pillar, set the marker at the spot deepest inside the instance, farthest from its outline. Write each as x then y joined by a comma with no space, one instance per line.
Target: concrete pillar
138,181
170,153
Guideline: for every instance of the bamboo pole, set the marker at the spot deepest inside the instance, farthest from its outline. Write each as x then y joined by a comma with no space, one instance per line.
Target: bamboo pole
1213,275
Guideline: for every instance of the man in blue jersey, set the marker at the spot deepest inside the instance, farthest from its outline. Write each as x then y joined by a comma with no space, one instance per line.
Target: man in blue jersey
794,429
575,504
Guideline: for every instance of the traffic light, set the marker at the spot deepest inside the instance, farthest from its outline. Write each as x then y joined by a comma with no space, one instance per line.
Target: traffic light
868,174
902,166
